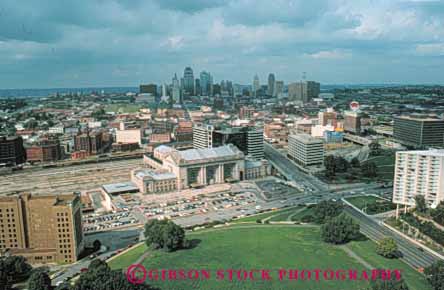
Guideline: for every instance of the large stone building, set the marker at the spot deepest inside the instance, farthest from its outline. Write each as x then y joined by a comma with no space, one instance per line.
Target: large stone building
419,173
200,167
419,132
12,151
42,228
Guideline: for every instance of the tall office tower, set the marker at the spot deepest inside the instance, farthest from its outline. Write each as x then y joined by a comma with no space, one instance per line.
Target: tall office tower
250,140
278,88
303,91
164,97
419,173
328,117
256,85
206,83
306,150
419,131
188,81
42,228
271,84
12,151
197,87
202,136
148,89
255,143
176,89
352,122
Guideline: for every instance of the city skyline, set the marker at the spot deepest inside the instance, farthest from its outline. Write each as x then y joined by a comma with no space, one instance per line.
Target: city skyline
125,44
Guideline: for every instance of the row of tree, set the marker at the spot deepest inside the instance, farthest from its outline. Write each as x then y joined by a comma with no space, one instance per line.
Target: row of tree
13,269
436,214
338,164
98,277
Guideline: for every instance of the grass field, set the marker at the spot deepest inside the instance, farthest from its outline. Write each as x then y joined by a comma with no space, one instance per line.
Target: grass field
274,215
385,165
371,204
125,260
366,250
265,247
301,214
122,108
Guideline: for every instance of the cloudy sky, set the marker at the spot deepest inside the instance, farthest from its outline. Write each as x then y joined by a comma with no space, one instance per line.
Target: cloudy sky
47,43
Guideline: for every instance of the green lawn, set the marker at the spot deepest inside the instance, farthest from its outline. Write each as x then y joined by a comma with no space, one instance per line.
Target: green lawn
385,165
366,250
261,216
263,247
301,214
123,108
371,204
125,260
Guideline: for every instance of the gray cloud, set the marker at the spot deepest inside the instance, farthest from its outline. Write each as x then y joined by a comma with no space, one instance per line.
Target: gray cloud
118,42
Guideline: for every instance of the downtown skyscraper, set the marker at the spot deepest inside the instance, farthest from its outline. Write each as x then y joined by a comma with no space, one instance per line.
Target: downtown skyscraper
206,83
271,84
188,81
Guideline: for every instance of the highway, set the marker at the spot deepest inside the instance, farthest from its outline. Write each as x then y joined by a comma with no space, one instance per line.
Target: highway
375,231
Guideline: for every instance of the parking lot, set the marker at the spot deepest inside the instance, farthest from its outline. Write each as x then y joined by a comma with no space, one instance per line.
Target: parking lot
96,222
273,189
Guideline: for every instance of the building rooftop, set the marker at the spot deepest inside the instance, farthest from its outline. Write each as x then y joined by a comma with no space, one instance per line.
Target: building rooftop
431,152
305,138
209,153
122,187
142,173
421,118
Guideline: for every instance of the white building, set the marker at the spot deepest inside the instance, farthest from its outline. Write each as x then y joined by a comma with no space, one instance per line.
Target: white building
419,173
306,150
129,136
202,136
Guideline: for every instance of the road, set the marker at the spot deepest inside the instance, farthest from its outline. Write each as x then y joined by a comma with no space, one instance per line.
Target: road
375,231
113,240
290,170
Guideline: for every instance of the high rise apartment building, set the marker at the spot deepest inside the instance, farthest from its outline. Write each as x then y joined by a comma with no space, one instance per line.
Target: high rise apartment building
419,173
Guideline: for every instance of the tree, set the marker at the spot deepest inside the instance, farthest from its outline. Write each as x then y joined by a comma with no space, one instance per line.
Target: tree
39,280
420,202
375,148
388,248
388,284
369,169
341,164
325,210
330,166
100,277
13,269
438,213
173,237
164,235
355,162
96,245
340,230
435,275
